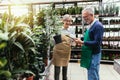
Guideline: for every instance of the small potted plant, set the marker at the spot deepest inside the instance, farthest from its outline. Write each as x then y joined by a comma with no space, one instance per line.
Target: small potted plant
29,75
57,38
23,74
117,11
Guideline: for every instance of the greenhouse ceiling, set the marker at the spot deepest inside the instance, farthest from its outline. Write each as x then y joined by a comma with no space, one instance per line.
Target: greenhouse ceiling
45,1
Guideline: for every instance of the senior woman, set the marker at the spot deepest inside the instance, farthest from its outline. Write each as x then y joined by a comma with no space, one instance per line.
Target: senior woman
62,51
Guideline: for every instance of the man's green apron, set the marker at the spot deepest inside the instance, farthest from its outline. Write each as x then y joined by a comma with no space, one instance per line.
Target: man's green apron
86,55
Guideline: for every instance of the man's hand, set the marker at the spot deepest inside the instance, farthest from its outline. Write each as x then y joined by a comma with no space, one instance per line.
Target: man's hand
79,42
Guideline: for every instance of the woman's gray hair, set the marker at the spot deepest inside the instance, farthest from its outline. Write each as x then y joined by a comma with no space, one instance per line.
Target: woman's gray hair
66,17
89,10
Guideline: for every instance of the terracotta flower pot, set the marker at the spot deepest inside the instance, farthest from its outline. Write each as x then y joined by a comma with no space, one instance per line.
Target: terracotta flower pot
45,61
30,78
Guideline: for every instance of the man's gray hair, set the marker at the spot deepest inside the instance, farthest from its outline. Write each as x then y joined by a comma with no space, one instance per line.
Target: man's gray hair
89,10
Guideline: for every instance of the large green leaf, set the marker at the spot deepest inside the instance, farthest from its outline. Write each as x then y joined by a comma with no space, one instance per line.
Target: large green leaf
3,45
19,46
27,40
5,72
4,36
3,62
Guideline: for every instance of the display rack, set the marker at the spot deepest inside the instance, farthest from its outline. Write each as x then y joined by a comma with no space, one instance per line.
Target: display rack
109,16
111,39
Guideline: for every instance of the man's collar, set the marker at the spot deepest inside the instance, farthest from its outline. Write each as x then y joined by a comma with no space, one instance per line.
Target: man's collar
93,22
89,26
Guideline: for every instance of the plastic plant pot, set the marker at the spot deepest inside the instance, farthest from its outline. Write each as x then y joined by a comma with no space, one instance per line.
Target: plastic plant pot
57,39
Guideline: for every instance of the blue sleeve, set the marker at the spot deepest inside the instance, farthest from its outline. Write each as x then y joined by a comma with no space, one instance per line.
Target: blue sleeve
96,35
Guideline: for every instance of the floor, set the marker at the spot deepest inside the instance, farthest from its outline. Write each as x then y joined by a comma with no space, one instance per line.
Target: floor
75,72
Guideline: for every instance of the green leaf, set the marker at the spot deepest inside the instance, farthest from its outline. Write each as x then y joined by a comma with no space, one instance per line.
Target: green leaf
3,62
6,73
19,46
4,36
3,45
29,38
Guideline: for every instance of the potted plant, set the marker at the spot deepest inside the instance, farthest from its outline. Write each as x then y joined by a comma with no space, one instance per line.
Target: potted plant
22,74
57,39
50,25
117,10
18,44
40,31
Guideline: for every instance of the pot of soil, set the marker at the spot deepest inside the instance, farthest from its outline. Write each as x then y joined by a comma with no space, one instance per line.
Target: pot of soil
57,39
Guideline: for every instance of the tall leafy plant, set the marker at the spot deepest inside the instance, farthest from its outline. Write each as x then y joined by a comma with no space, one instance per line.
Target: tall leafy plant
38,65
50,24
40,35
19,43
53,23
